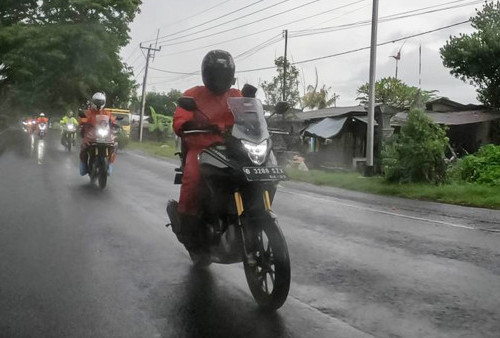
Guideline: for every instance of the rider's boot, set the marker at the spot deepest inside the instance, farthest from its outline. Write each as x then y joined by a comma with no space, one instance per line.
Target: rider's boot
83,163
83,169
184,226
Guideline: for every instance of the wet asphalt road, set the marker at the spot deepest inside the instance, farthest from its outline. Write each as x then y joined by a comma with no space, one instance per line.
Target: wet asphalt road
79,262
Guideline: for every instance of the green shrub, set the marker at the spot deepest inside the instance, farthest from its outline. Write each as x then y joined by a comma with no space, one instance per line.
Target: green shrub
482,167
417,153
123,140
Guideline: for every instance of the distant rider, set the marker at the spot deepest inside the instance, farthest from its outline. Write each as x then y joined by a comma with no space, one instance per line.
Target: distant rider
67,119
89,123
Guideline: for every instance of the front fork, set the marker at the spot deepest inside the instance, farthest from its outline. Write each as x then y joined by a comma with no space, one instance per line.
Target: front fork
246,233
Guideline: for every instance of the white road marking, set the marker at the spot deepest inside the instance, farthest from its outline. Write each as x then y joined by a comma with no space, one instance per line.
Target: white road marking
338,201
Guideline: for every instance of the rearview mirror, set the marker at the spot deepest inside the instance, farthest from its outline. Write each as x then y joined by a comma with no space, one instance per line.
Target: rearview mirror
188,103
281,107
119,118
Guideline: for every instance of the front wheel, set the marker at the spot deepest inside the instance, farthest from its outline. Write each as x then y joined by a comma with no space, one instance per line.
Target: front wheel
102,174
268,271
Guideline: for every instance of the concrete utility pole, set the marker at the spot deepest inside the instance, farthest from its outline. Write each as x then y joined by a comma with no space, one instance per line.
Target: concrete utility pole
285,32
143,99
371,93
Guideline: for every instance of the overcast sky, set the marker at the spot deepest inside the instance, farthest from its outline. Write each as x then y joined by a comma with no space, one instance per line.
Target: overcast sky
185,25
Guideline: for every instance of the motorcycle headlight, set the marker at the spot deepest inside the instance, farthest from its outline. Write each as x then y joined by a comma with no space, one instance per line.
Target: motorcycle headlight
256,152
71,127
102,132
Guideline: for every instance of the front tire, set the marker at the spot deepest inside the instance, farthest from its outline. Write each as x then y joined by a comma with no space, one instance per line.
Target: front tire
268,276
102,173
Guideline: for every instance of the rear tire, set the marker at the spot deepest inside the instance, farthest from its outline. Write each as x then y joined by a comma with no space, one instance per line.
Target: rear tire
269,277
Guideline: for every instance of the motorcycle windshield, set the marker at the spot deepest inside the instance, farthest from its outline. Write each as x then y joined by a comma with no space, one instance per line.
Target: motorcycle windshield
249,121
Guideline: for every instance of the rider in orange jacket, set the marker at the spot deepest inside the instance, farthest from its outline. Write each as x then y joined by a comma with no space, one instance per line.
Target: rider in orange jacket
213,113
88,127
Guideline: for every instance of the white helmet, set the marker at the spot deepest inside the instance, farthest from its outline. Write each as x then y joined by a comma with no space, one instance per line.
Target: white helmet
98,100
42,115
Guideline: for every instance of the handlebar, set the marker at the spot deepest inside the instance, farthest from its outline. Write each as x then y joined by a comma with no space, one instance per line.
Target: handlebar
199,131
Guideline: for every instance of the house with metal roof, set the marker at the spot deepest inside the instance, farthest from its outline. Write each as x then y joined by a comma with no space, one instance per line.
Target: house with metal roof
469,126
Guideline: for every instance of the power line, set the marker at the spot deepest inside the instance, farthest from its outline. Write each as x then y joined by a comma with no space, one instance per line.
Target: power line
204,23
362,48
387,18
341,53
170,71
225,23
261,31
259,47
137,75
130,55
240,26
194,15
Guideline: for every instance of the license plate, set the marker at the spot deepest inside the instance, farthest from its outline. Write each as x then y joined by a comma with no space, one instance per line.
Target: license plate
265,174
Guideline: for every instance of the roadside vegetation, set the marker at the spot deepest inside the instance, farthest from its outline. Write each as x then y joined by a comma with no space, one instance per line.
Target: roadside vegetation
468,194
160,149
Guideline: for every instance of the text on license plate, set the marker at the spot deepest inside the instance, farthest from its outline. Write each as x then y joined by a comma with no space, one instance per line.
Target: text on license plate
265,173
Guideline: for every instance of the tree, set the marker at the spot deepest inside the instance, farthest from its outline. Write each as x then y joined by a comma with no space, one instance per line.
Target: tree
319,99
163,103
417,154
55,53
274,88
476,57
394,92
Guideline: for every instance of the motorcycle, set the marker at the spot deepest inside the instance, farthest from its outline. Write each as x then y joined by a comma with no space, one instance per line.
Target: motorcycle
239,182
42,130
99,152
69,135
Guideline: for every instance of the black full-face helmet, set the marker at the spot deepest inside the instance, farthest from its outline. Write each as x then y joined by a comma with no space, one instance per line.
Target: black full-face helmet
217,71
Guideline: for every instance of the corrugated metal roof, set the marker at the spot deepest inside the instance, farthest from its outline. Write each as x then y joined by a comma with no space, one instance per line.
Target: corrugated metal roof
329,112
451,118
326,128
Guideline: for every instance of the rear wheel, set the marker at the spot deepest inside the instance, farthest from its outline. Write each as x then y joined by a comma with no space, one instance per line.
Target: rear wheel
268,273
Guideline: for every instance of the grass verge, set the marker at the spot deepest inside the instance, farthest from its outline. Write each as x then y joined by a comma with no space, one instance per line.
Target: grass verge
462,194
161,149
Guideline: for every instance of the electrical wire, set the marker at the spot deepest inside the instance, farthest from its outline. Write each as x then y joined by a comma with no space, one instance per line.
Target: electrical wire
387,18
241,26
261,31
225,23
255,49
204,23
362,48
194,15
137,75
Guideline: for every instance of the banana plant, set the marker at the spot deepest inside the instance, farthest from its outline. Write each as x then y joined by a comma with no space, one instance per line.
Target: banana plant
161,125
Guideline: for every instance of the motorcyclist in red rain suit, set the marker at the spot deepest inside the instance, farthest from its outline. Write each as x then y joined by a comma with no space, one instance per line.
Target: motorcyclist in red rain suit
88,122
217,71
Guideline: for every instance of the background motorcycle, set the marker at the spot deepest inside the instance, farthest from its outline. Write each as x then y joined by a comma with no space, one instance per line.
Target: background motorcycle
42,130
100,151
69,135
239,181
